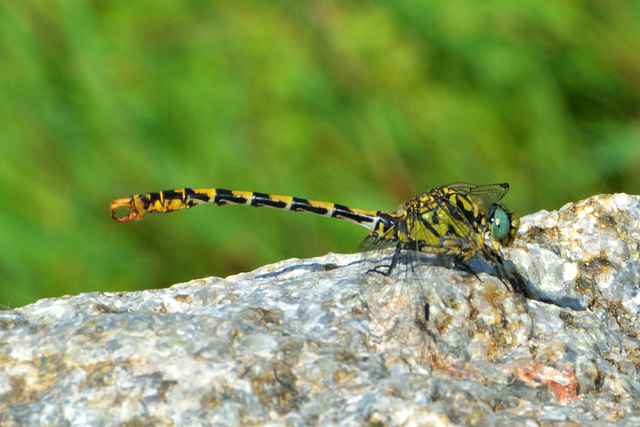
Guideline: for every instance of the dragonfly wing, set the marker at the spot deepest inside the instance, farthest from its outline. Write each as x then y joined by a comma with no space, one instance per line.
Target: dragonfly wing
483,195
374,242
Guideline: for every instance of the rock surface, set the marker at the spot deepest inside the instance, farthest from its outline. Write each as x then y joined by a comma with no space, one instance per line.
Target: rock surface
326,341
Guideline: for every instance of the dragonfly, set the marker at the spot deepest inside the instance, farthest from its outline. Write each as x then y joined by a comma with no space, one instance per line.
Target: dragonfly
460,220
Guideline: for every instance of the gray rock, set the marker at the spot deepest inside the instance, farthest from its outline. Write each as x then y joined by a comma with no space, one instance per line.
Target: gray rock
327,341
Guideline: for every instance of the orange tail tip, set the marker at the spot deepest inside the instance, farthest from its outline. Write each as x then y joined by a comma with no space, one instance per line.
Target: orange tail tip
127,203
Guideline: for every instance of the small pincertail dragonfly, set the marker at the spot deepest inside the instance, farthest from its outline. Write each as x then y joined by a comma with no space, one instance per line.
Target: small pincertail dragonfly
462,220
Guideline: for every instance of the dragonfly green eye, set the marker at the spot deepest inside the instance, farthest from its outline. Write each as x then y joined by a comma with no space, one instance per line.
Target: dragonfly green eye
500,223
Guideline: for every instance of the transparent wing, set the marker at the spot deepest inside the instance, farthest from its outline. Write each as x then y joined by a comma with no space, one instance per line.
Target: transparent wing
396,299
391,281
483,195
433,230
373,242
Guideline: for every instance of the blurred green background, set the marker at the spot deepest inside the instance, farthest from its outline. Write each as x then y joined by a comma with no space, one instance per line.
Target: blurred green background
360,103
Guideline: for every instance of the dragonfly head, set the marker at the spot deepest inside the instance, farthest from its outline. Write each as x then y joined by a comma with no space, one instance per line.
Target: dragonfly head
503,225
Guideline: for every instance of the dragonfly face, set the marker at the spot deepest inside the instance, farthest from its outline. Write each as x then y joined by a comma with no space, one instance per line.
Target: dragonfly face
504,224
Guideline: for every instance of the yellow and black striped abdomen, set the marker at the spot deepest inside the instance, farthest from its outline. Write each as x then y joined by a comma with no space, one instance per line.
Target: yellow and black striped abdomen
172,200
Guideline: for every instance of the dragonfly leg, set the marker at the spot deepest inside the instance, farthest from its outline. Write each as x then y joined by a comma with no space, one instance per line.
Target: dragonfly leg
394,261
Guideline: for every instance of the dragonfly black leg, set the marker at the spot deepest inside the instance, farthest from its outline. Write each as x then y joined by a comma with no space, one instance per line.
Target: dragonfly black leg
394,261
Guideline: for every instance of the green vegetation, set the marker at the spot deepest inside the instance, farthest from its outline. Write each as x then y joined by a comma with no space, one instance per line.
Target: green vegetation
360,103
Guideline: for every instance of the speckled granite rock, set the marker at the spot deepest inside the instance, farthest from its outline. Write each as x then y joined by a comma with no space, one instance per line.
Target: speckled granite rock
324,341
